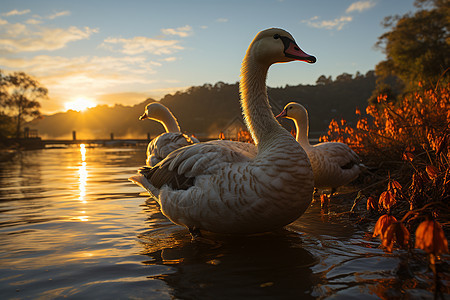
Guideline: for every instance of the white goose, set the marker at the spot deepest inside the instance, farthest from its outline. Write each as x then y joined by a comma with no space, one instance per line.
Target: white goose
219,187
334,164
172,139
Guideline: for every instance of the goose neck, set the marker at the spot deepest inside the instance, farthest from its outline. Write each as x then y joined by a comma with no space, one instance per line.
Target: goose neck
254,101
170,123
302,131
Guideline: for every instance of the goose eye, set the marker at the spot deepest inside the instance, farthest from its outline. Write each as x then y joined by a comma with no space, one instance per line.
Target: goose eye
276,36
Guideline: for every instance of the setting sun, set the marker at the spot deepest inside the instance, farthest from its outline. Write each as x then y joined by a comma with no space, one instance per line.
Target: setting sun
79,104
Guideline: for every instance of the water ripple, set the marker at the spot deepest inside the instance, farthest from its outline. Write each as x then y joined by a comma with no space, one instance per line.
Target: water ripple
72,225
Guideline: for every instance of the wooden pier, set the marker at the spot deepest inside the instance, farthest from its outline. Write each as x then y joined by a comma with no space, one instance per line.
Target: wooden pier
38,143
95,142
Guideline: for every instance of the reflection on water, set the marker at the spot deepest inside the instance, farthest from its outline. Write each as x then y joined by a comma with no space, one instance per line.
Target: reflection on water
83,152
72,225
82,171
273,265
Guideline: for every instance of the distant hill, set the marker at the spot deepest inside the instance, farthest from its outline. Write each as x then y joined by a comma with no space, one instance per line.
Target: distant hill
206,110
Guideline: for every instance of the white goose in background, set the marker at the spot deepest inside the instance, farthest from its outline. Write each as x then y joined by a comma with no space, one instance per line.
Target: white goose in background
334,164
220,187
172,139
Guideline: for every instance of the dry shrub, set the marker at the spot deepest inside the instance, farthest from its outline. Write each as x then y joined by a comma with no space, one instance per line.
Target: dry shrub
418,124
408,142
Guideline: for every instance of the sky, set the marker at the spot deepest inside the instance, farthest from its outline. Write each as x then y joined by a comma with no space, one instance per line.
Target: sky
122,52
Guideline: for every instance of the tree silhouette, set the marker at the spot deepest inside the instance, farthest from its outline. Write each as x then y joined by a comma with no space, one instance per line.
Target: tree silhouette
323,80
5,121
20,100
417,46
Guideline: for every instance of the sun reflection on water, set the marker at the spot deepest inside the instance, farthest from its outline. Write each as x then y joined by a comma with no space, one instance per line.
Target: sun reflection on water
83,175
82,171
83,152
83,218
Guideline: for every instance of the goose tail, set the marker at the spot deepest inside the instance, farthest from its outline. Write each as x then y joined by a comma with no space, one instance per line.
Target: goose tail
142,181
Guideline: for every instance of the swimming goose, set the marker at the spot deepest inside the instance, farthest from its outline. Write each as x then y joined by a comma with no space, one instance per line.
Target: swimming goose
172,139
217,186
334,164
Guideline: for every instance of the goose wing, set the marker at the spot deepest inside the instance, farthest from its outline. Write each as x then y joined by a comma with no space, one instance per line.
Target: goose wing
334,164
339,154
179,169
166,143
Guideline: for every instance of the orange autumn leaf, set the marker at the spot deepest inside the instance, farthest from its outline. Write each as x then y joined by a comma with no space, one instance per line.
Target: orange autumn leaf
408,156
394,186
372,204
382,225
396,232
432,172
431,238
387,200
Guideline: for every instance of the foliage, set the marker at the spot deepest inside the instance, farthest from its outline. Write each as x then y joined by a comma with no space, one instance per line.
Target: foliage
416,47
6,128
20,94
417,125
430,237
2,89
409,143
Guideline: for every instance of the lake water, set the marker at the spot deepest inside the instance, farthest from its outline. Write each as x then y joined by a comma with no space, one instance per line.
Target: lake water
72,225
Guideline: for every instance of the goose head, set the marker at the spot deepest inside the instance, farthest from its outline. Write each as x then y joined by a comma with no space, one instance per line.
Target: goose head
157,112
294,111
299,115
154,111
276,45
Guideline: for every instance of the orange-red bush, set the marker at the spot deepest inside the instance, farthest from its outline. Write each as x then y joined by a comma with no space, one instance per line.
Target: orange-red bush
410,141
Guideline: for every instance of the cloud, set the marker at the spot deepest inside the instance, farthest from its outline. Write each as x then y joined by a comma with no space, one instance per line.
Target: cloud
58,14
339,23
57,66
222,20
84,75
15,12
33,22
31,36
53,16
360,6
140,44
180,31
21,38
336,24
170,59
